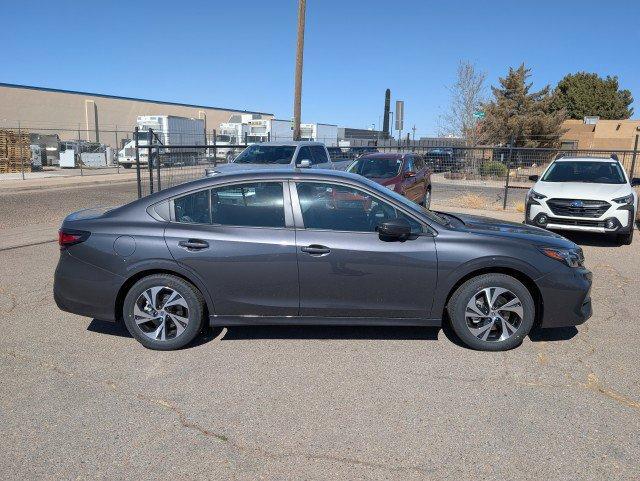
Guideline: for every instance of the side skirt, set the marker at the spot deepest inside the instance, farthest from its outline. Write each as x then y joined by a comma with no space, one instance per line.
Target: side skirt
326,321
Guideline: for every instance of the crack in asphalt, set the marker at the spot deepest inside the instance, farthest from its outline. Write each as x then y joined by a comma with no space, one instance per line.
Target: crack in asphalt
211,434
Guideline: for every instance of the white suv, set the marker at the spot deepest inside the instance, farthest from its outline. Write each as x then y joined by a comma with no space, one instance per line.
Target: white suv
584,194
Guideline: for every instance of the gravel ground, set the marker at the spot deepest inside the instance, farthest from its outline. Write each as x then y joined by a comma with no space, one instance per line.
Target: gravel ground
81,399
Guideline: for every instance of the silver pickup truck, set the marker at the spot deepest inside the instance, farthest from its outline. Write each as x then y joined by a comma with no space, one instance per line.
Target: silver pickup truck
267,155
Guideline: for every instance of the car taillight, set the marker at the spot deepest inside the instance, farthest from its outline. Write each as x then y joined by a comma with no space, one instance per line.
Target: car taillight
68,238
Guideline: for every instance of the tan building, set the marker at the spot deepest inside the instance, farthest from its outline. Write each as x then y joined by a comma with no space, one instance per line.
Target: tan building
594,133
93,117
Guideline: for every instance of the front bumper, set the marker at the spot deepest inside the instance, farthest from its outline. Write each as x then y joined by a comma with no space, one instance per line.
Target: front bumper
622,218
566,297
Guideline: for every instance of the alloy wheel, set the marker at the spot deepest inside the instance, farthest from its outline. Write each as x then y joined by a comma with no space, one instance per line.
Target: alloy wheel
494,314
161,313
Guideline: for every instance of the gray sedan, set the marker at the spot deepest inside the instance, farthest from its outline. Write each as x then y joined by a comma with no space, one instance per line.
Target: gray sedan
313,246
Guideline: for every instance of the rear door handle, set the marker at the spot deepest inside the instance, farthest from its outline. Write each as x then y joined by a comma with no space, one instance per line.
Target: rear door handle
194,244
316,250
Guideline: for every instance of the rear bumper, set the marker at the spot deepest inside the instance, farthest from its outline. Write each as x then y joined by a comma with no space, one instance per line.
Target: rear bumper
83,289
566,297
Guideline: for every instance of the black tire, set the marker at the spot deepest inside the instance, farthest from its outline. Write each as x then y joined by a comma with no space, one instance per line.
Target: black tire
457,307
126,166
627,238
189,293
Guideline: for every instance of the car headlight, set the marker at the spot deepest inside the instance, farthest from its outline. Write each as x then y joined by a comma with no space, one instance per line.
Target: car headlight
627,199
569,257
535,195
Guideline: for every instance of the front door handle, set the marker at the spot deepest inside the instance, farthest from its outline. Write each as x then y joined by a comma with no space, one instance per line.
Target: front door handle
316,250
194,244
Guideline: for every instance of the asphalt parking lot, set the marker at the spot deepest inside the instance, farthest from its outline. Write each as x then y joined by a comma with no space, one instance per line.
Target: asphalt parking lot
80,399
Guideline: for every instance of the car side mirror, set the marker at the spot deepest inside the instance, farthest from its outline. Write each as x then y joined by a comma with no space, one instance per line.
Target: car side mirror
635,182
395,230
303,164
534,178
409,174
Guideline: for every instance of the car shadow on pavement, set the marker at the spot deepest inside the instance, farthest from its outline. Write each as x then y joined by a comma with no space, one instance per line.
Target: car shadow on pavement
553,334
237,333
591,239
108,327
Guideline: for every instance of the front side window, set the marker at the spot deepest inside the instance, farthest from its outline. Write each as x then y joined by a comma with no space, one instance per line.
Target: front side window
259,204
266,154
596,172
305,154
408,165
336,207
193,208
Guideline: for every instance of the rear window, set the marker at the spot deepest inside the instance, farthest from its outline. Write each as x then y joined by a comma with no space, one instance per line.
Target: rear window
193,208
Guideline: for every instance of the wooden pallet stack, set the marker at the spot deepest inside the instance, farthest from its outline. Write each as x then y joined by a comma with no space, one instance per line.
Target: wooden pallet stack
15,151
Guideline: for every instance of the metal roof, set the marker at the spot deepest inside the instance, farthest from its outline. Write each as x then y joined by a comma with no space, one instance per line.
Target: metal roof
116,97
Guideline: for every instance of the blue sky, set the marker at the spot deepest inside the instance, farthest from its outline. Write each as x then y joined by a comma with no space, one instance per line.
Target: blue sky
241,54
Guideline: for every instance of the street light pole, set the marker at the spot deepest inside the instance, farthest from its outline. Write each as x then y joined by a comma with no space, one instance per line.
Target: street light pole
297,95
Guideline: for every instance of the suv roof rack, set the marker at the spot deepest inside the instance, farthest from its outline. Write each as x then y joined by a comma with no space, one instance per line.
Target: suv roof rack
615,157
559,156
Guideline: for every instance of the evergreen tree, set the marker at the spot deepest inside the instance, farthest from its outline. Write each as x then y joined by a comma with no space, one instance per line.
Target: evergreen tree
517,114
584,94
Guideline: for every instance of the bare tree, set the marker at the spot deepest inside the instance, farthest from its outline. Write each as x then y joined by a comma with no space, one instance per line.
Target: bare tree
467,95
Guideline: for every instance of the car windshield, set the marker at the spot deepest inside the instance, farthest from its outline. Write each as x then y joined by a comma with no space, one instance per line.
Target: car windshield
266,154
598,172
376,167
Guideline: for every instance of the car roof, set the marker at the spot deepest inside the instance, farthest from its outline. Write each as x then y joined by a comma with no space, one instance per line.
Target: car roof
383,155
255,175
291,142
586,159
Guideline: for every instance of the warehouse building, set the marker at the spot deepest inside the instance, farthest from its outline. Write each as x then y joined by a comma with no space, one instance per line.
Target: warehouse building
93,117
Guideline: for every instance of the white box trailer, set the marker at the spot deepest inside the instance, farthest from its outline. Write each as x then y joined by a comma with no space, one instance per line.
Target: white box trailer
170,131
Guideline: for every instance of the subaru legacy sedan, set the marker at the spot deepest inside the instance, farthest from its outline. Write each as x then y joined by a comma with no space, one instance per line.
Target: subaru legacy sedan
313,246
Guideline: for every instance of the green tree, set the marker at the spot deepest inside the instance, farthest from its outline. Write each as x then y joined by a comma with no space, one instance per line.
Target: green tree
517,114
583,94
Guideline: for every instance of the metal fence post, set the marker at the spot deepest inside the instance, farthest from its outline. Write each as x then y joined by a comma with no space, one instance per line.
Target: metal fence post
149,151
158,169
117,163
80,154
215,148
21,152
506,183
633,158
138,176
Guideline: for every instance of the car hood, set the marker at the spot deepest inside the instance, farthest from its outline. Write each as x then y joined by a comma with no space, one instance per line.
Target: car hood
512,230
581,190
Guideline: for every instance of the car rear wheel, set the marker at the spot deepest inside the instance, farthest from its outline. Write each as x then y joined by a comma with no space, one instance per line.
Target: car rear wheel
163,312
492,312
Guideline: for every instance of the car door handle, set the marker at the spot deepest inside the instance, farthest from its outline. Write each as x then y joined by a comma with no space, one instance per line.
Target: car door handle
194,244
316,250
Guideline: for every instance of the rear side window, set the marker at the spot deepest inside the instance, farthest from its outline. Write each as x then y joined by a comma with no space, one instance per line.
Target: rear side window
259,204
319,155
193,208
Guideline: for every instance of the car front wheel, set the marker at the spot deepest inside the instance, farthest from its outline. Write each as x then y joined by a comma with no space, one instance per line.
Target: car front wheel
163,312
492,312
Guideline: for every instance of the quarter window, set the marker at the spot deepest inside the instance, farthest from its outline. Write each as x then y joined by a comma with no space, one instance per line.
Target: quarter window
258,204
341,208
193,208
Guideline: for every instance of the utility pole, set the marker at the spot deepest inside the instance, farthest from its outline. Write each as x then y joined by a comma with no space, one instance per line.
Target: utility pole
414,132
297,95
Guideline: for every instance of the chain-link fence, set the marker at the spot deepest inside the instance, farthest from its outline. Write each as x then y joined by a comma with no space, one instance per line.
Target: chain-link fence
466,177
